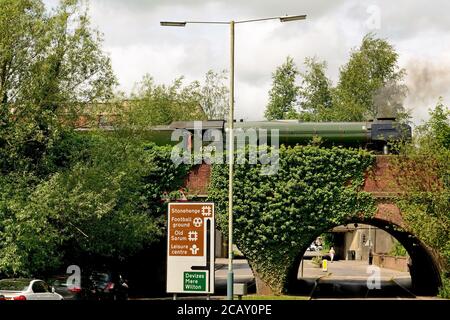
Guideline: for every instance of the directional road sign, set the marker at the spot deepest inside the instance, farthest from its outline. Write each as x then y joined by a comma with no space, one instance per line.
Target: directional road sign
190,247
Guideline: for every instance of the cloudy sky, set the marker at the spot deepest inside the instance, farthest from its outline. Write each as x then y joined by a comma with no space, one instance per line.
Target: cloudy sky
137,44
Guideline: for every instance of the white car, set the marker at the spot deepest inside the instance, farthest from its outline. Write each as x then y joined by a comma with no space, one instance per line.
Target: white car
27,289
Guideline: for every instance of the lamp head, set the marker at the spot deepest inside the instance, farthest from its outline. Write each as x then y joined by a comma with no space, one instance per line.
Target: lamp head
173,23
293,18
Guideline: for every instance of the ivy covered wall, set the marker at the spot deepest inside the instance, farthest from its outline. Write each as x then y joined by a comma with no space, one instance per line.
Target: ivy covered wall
275,216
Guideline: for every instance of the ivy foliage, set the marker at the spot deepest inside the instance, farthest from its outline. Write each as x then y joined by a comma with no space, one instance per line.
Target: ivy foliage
423,171
276,216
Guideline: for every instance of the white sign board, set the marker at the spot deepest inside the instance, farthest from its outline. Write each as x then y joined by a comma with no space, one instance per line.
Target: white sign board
190,247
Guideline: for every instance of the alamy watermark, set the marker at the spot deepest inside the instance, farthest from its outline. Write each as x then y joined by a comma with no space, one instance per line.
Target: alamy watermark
74,280
374,279
209,146
373,22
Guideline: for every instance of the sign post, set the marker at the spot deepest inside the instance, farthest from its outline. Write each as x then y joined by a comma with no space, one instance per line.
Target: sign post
190,248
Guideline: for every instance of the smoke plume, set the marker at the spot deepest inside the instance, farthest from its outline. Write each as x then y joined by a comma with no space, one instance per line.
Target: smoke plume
427,81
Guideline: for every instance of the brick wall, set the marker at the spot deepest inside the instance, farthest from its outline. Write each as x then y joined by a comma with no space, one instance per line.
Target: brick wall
391,262
198,180
380,181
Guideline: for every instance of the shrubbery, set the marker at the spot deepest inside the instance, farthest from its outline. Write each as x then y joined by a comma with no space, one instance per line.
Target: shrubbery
104,200
423,170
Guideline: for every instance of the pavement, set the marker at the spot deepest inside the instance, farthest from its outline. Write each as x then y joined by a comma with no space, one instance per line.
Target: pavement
348,269
242,274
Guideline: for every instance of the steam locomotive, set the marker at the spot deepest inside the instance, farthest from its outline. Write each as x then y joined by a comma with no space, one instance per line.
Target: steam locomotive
372,135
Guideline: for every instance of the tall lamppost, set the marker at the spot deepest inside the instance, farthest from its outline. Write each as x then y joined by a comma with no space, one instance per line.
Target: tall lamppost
232,23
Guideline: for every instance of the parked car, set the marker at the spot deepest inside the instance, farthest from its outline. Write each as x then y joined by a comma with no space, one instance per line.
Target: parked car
27,289
66,290
108,286
2,298
314,247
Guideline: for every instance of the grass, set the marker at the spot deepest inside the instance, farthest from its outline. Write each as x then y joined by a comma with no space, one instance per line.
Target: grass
282,297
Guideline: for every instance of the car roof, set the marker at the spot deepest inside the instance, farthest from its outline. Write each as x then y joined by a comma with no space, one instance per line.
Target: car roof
17,279
23,280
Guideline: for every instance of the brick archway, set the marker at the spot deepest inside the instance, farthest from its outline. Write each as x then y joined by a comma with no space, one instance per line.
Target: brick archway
425,268
380,182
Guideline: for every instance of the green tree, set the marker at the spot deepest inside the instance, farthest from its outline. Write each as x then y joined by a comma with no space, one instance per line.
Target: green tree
315,92
369,85
437,130
284,92
51,65
156,104
214,96
370,68
106,204
424,173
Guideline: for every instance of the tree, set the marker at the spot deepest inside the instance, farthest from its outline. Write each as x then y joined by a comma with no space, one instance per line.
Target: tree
106,204
284,92
51,66
369,85
423,172
158,104
214,96
155,104
438,127
371,67
315,92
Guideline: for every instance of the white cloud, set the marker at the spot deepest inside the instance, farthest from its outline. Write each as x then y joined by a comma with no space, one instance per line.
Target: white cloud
138,45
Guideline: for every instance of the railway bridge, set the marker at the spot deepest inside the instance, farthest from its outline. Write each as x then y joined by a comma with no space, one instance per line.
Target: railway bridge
380,182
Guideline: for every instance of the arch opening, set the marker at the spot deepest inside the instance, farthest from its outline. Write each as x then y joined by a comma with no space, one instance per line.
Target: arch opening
422,265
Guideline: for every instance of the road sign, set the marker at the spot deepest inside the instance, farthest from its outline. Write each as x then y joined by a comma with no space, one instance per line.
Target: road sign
190,247
194,281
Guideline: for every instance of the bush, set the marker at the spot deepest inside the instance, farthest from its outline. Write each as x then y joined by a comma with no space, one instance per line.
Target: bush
444,290
398,250
106,203
423,171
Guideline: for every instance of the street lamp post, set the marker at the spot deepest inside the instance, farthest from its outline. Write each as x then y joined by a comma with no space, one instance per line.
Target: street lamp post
232,23
230,275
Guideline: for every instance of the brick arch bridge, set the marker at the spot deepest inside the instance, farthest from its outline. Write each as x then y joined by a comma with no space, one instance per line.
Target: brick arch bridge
426,263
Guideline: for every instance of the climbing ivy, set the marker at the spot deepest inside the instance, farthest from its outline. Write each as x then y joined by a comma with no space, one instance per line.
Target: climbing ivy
423,172
276,216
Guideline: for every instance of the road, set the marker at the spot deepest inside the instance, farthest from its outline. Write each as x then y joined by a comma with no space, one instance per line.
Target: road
343,279
242,274
354,279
